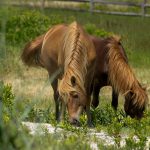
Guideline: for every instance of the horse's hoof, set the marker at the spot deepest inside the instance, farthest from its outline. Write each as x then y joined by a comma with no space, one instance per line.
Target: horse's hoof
90,125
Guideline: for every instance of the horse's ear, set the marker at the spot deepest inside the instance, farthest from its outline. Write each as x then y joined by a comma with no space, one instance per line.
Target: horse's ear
117,38
145,88
73,81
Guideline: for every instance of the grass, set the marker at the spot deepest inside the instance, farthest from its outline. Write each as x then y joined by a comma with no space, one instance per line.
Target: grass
33,100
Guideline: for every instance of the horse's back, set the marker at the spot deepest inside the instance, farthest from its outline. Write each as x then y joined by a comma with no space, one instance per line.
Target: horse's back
52,44
101,54
86,39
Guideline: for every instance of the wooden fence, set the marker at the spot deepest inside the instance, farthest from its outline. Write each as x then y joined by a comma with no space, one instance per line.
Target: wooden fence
142,5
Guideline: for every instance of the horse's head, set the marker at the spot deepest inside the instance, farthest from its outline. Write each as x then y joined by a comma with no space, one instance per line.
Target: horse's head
135,103
75,103
73,96
131,109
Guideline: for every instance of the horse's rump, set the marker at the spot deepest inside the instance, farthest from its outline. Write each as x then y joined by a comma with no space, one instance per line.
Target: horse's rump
31,52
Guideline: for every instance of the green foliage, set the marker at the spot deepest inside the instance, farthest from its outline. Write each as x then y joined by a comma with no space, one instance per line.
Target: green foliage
26,26
10,137
93,30
40,115
7,101
103,116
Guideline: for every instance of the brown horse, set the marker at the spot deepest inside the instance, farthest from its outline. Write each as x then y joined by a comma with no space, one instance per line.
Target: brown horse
68,54
112,68
101,74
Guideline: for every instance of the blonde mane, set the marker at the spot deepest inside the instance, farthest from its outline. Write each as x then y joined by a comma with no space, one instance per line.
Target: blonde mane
75,64
121,76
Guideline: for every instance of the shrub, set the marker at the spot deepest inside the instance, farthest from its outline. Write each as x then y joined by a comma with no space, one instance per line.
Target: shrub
9,134
29,24
7,101
92,29
26,26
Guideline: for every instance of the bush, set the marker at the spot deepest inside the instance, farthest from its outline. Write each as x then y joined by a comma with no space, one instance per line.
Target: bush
24,27
7,102
27,25
8,125
30,24
92,29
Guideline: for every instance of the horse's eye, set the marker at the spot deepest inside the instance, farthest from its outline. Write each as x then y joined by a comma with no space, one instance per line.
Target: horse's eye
75,96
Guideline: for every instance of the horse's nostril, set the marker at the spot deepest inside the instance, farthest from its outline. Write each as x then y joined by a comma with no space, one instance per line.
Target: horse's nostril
75,122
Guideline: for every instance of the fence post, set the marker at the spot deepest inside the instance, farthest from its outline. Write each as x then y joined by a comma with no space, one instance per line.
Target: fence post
42,4
91,5
143,7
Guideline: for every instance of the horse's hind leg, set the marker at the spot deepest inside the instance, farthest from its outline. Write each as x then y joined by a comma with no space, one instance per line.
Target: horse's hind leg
114,102
95,101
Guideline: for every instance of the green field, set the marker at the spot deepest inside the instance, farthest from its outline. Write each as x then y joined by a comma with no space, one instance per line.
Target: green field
32,95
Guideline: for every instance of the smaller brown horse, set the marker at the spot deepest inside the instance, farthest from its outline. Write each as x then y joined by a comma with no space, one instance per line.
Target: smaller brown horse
68,54
112,68
101,72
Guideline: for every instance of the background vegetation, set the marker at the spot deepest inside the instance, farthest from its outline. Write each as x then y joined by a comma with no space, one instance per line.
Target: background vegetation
25,94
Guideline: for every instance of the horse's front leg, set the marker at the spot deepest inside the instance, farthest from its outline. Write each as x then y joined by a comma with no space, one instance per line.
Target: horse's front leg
88,113
62,110
59,104
57,100
114,102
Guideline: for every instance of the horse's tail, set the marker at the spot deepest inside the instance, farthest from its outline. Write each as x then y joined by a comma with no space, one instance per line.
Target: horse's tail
123,79
31,52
